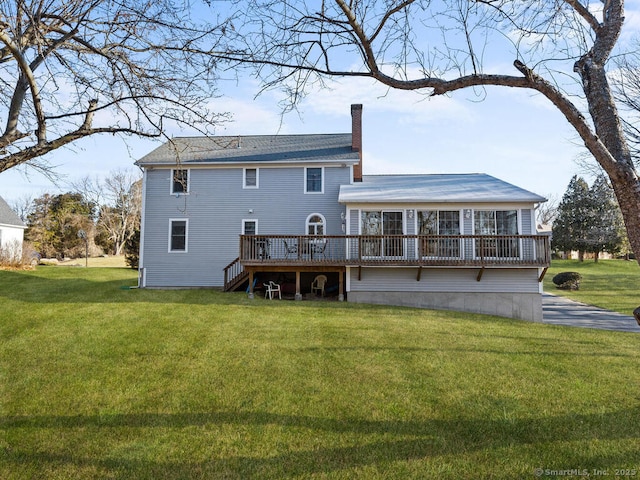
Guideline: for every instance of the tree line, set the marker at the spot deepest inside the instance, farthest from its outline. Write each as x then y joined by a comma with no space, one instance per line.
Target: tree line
106,210
588,220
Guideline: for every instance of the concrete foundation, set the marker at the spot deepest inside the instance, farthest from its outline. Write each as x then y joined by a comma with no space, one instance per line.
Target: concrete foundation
522,306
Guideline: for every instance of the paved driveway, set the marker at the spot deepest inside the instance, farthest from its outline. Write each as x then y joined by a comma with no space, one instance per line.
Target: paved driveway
562,311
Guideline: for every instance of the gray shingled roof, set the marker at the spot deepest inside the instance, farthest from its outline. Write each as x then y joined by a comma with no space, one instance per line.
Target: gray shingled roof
8,216
253,148
444,188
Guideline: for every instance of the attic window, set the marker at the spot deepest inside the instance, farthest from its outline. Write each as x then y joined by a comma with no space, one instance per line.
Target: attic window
180,181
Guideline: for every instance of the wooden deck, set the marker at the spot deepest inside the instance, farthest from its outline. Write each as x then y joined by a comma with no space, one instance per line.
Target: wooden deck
333,253
396,250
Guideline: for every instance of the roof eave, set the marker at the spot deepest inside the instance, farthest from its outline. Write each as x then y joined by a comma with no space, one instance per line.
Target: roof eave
465,201
342,161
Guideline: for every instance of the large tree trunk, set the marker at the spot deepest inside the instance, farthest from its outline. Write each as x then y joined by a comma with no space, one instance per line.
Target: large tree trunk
618,164
627,190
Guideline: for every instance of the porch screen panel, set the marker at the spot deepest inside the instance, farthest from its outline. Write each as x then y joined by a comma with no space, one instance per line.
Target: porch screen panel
392,225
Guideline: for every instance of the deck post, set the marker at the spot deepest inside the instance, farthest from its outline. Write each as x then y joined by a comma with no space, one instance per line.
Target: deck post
341,286
251,283
298,294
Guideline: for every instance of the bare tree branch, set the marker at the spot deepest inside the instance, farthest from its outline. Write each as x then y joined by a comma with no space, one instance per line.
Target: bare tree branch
78,68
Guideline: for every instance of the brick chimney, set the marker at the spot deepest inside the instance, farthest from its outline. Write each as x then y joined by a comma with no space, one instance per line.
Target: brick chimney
356,139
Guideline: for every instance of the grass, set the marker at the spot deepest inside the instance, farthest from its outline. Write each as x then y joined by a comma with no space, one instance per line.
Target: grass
610,284
98,381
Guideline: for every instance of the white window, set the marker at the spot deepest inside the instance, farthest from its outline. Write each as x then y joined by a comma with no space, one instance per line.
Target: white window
496,222
314,180
178,235
250,178
382,231
179,181
249,227
439,223
315,224
502,225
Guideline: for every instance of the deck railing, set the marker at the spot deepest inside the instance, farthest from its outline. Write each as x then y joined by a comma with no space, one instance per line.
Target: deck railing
419,250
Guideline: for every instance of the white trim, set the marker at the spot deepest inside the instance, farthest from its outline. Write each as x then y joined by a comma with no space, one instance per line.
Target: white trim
177,194
143,217
321,181
9,225
244,222
186,235
244,178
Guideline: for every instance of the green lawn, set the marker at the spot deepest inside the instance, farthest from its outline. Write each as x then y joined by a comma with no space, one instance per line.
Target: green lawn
97,381
610,284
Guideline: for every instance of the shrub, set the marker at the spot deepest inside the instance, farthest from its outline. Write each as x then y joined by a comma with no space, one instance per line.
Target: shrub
11,254
567,280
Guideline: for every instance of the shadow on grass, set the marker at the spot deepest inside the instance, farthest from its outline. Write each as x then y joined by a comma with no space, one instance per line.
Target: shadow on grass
428,439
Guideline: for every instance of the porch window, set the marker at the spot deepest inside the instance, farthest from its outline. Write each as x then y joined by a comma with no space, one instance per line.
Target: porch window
315,224
250,178
178,235
496,223
381,224
439,222
313,180
180,181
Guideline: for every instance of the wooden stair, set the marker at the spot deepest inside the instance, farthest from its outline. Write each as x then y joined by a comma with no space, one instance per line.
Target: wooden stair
234,275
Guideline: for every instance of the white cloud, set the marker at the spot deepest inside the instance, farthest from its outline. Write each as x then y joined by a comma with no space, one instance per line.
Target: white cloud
381,100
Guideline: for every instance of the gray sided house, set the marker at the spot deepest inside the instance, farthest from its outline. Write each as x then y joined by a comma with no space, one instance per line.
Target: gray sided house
235,212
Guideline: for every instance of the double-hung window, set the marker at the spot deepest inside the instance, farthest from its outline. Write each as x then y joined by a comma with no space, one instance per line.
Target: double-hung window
250,178
249,227
179,181
313,180
178,234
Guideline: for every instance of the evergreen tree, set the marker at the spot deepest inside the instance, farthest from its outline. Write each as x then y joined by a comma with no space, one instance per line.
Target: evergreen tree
571,226
132,250
606,227
588,219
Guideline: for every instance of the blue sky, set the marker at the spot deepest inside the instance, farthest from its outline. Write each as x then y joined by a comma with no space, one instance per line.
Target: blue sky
515,135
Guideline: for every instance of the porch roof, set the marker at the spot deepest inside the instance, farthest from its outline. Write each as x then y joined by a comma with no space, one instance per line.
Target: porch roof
435,188
317,148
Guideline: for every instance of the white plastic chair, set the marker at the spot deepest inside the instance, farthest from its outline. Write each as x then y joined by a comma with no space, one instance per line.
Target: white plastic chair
273,287
318,284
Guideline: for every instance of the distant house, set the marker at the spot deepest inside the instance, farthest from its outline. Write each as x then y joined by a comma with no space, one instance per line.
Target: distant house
237,211
11,233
